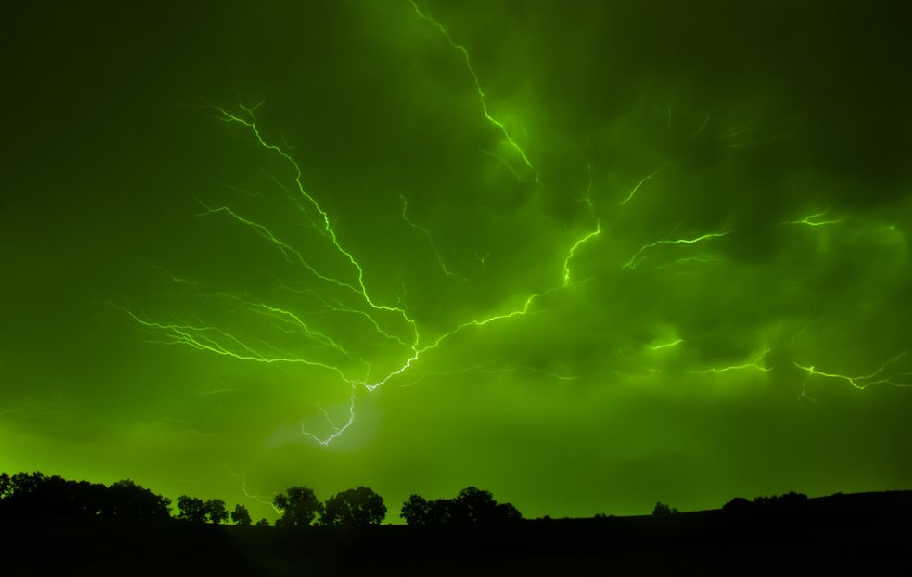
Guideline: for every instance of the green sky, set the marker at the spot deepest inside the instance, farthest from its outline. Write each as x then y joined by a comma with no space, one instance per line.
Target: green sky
586,255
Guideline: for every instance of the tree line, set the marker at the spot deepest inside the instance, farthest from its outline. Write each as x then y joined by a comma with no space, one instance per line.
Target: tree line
25,495
35,495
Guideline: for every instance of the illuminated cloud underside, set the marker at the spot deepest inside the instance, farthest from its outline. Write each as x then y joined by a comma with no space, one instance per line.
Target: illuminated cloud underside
214,340
588,258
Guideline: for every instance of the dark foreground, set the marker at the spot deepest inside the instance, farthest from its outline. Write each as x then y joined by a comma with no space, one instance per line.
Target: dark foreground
862,534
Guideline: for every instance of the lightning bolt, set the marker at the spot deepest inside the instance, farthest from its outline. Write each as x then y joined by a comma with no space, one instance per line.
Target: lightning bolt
418,352
327,226
861,382
338,430
639,185
430,238
587,196
506,166
814,220
175,278
482,97
565,276
251,496
668,345
303,328
696,259
226,344
493,371
335,306
223,343
753,364
632,263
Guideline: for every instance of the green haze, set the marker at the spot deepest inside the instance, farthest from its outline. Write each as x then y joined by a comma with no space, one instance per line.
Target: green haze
585,255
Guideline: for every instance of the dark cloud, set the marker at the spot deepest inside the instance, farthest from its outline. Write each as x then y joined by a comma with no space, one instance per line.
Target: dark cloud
707,368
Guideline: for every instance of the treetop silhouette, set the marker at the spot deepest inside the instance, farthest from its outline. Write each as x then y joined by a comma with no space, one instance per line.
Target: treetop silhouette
299,506
472,507
37,495
358,507
240,515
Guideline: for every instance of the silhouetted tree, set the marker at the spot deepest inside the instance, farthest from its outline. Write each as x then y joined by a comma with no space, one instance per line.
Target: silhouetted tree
299,506
216,511
131,501
788,503
262,523
663,510
191,509
36,495
478,505
416,511
738,505
471,508
240,515
359,507
6,486
507,513
26,483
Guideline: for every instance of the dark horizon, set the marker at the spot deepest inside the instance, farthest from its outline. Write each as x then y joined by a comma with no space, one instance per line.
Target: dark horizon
52,526
36,497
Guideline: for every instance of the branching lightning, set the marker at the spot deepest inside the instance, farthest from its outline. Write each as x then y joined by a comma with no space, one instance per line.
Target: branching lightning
222,343
328,228
879,377
755,363
404,335
338,430
482,97
815,220
303,328
418,352
335,306
632,263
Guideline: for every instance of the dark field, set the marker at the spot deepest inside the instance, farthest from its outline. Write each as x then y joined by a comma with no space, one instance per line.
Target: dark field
862,534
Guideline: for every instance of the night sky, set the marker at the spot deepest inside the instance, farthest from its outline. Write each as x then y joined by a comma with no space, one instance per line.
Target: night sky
586,255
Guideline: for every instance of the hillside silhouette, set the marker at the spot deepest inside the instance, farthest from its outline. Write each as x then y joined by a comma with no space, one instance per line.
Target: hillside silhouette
52,526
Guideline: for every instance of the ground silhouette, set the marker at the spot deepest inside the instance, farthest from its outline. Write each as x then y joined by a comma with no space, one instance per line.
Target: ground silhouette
51,526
